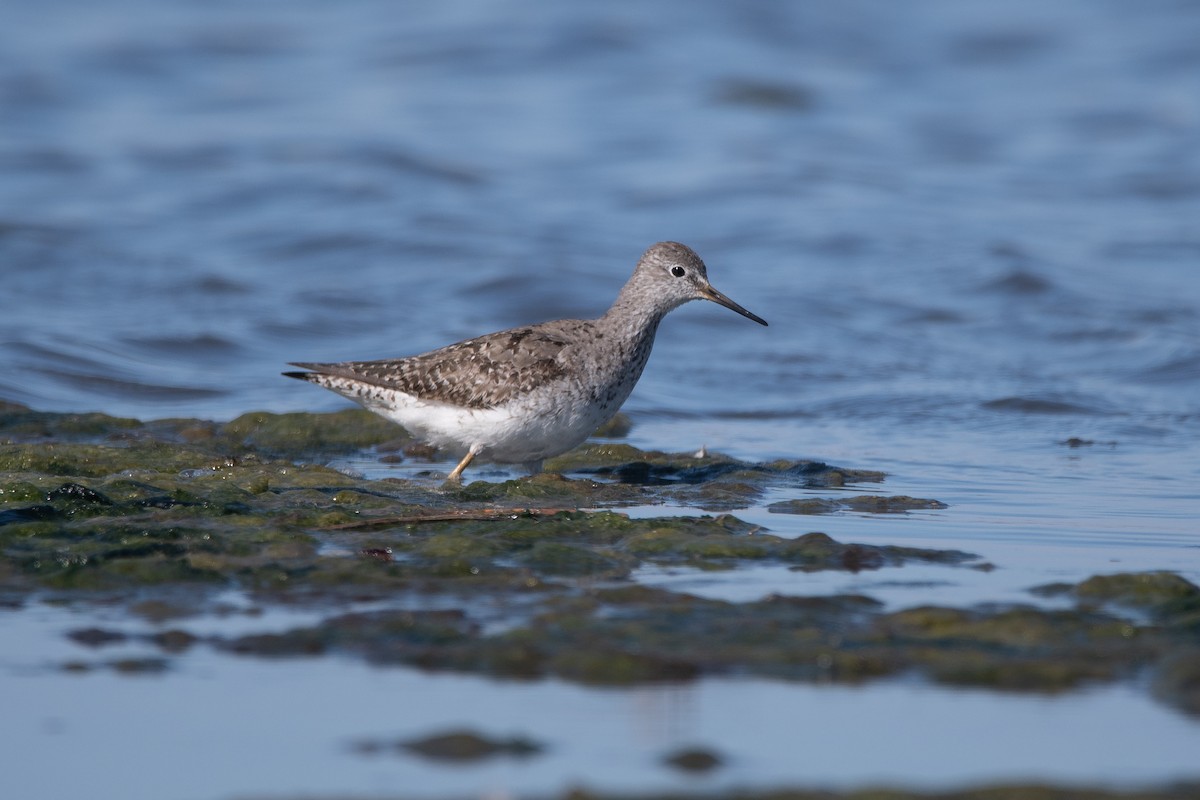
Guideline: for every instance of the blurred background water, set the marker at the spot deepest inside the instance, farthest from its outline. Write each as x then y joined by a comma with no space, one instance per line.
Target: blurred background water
974,228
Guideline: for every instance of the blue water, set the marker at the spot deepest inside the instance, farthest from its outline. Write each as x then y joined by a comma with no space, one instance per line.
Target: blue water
974,228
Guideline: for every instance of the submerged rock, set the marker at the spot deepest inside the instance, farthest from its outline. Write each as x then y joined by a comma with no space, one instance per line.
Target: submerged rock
165,516
464,745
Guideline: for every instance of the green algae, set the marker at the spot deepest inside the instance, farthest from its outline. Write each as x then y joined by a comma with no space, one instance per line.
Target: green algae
164,515
631,635
298,435
867,504
708,481
1165,597
454,746
693,759
1162,593
20,422
466,745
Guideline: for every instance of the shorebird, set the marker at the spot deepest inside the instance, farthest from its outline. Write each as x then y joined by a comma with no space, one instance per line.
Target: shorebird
527,394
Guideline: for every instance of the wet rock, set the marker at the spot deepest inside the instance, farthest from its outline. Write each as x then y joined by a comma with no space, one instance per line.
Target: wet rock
1161,592
96,637
466,745
1177,681
174,640
301,435
140,666
810,505
1166,597
20,423
27,514
557,558
616,428
867,504
694,759
165,521
74,494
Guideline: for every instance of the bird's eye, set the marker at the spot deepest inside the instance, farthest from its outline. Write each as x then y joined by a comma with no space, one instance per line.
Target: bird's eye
678,272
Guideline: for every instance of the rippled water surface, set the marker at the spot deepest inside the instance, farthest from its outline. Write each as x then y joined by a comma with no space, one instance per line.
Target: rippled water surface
974,229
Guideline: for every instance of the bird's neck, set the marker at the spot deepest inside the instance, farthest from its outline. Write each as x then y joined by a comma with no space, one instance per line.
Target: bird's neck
631,318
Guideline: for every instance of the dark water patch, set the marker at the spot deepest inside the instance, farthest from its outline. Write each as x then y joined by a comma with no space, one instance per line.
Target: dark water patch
1157,250
1179,370
1039,405
42,161
1097,334
137,59
374,155
1019,282
949,139
1160,186
217,285
339,244
262,199
1001,47
202,346
398,160
26,89
936,316
186,158
1116,123
763,414
92,383
53,353
763,94
846,244
245,41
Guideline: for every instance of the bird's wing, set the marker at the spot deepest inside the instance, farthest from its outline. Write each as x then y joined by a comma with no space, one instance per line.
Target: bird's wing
484,372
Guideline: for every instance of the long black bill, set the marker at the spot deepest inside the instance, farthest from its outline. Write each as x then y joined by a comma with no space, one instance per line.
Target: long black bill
712,294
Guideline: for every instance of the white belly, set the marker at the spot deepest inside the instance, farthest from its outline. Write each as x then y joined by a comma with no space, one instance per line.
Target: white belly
542,425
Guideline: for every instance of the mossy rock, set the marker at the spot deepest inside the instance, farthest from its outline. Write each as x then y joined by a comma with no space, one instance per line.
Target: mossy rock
298,435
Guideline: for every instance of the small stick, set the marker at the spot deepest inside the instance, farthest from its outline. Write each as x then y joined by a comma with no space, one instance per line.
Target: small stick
451,516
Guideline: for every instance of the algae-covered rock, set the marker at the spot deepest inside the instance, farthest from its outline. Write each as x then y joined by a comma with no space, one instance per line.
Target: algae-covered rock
300,435
693,759
465,745
20,423
1177,680
171,513
708,481
1167,597
1153,591
867,504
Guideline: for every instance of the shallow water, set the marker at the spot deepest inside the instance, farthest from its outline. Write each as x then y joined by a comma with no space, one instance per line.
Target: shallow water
301,719
972,227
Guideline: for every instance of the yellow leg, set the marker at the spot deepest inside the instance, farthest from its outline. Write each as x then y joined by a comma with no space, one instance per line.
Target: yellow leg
456,475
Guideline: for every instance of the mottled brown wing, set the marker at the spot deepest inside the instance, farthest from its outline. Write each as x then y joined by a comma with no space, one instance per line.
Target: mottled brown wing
477,373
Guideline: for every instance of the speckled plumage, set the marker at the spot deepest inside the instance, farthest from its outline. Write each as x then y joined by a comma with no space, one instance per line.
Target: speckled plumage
529,393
